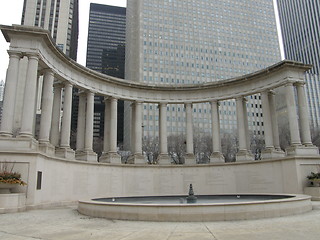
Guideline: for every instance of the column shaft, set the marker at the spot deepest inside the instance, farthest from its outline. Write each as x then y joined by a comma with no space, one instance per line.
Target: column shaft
138,128
292,115
303,115
107,116
10,94
66,118
189,128
113,124
30,97
163,128
46,107
268,136
216,141
133,128
56,112
241,125
89,122
273,113
81,124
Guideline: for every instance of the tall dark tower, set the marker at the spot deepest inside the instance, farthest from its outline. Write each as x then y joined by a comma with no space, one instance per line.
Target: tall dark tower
300,21
106,53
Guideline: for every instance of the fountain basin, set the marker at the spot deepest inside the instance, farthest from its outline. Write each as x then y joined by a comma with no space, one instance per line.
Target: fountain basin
223,207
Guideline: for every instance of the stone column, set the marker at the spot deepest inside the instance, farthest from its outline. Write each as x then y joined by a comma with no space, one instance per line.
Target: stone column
9,94
106,140
89,122
81,124
138,134
308,147
87,154
268,136
65,151
189,158
243,154
136,137
163,157
46,113
271,133
274,120
112,155
303,115
292,115
56,112
216,156
30,97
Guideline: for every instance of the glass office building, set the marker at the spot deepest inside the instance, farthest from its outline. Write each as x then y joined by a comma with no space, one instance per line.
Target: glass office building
193,42
60,17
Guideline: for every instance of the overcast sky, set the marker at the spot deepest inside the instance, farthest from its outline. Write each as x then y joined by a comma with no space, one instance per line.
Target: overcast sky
11,11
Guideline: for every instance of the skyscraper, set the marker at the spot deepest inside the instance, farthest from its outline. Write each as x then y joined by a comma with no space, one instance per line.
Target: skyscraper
300,21
106,53
193,42
57,16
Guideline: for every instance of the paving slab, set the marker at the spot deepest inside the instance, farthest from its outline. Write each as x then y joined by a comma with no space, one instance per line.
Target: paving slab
65,223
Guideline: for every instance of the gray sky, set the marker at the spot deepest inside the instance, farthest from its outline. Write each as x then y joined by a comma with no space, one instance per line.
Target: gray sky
10,13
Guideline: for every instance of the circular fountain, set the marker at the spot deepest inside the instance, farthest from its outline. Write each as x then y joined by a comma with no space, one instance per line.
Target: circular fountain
190,208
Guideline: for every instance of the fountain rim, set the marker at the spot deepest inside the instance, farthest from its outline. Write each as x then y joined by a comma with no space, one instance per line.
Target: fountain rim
288,197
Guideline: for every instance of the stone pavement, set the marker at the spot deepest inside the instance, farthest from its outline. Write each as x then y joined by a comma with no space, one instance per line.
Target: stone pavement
65,223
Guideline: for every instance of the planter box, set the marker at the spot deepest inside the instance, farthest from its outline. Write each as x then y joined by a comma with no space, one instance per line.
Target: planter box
314,192
12,202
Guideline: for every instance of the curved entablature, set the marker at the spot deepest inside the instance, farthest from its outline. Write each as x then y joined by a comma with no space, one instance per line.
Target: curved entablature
25,40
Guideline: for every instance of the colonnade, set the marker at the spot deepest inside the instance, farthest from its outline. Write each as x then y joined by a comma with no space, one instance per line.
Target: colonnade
54,135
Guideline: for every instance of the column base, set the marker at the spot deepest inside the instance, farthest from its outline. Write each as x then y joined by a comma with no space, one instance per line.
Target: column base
136,159
164,159
65,153
110,157
189,159
271,153
18,144
88,156
244,155
301,150
47,148
217,157
6,135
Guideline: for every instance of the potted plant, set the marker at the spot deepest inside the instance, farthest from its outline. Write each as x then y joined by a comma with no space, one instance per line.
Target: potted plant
314,178
8,178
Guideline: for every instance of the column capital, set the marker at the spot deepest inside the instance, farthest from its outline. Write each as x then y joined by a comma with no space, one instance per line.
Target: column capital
67,84
299,84
16,54
90,93
289,84
241,98
163,103
110,98
32,55
215,102
48,71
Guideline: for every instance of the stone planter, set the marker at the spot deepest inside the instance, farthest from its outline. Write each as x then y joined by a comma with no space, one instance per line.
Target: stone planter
315,182
314,192
5,188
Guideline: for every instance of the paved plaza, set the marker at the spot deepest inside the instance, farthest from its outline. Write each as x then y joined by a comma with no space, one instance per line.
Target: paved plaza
65,223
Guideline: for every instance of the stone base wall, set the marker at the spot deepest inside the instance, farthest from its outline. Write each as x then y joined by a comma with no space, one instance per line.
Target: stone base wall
67,181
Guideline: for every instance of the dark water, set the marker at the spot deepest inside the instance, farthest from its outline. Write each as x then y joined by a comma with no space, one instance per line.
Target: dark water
200,199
